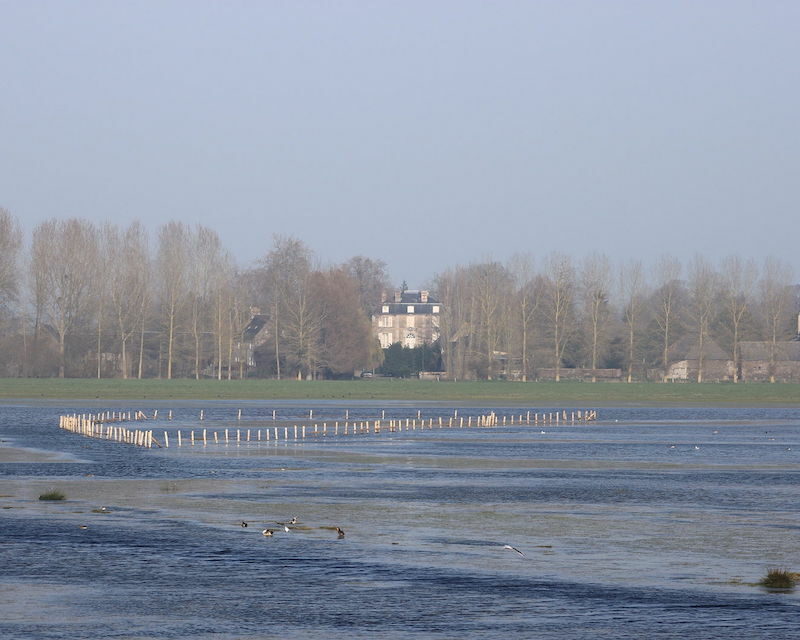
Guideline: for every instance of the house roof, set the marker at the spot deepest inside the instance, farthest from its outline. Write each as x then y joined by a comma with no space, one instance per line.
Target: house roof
688,348
409,297
255,325
785,351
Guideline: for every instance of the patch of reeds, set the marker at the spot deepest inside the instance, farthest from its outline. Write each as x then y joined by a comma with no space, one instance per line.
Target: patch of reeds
779,579
53,495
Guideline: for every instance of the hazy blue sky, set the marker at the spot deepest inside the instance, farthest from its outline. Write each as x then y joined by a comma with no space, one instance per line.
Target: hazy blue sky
427,134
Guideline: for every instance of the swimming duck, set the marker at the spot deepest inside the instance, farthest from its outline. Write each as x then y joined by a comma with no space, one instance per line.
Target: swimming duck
267,532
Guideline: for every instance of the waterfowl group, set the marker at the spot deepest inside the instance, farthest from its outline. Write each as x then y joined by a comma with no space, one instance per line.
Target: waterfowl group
269,532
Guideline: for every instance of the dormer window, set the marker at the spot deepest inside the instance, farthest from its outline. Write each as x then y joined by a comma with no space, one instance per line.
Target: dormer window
385,308
411,308
436,308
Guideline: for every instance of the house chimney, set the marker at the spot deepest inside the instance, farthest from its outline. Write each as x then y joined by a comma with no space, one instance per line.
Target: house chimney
384,296
423,296
398,296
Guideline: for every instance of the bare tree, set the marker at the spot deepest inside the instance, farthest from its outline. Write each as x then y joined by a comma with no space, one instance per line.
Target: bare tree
491,288
345,331
703,282
455,323
128,271
559,306
224,295
302,326
528,294
14,354
287,267
632,286
595,287
172,270
64,265
10,244
204,259
775,303
145,309
738,279
667,273
371,279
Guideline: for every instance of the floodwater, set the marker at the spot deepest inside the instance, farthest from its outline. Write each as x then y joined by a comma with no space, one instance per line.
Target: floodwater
649,523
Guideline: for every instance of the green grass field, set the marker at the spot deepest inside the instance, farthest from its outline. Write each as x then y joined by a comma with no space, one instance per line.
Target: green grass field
576,394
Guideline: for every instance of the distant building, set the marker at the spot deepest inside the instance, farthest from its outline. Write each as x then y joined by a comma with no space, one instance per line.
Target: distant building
252,337
685,358
758,362
409,317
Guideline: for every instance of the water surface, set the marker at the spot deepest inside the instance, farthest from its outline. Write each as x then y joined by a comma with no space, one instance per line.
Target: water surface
649,523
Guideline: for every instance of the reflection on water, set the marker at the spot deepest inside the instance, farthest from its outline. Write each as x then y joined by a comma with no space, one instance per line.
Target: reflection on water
649,523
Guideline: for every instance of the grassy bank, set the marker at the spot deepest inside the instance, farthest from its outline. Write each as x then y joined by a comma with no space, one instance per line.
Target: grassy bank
529,394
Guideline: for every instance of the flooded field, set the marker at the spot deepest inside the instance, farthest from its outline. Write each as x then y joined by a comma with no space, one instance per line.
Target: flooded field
647,523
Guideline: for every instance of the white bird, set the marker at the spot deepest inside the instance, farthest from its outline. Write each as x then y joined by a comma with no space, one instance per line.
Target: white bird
286,529
510,548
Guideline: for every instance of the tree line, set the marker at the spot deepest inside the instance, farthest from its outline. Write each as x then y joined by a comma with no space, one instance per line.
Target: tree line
84,300
516,320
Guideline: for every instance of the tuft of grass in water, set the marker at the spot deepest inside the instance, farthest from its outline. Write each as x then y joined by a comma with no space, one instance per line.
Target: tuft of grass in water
779,579
53,495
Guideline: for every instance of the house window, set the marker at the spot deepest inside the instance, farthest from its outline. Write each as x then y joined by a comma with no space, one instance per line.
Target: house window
385,308
410,321
385,339
436,308
411,308
385,321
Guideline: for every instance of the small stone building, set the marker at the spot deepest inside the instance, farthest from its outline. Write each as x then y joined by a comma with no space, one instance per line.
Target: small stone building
758,364
685,359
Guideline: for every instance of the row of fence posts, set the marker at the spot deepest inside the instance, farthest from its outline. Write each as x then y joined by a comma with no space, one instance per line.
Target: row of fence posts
106,426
